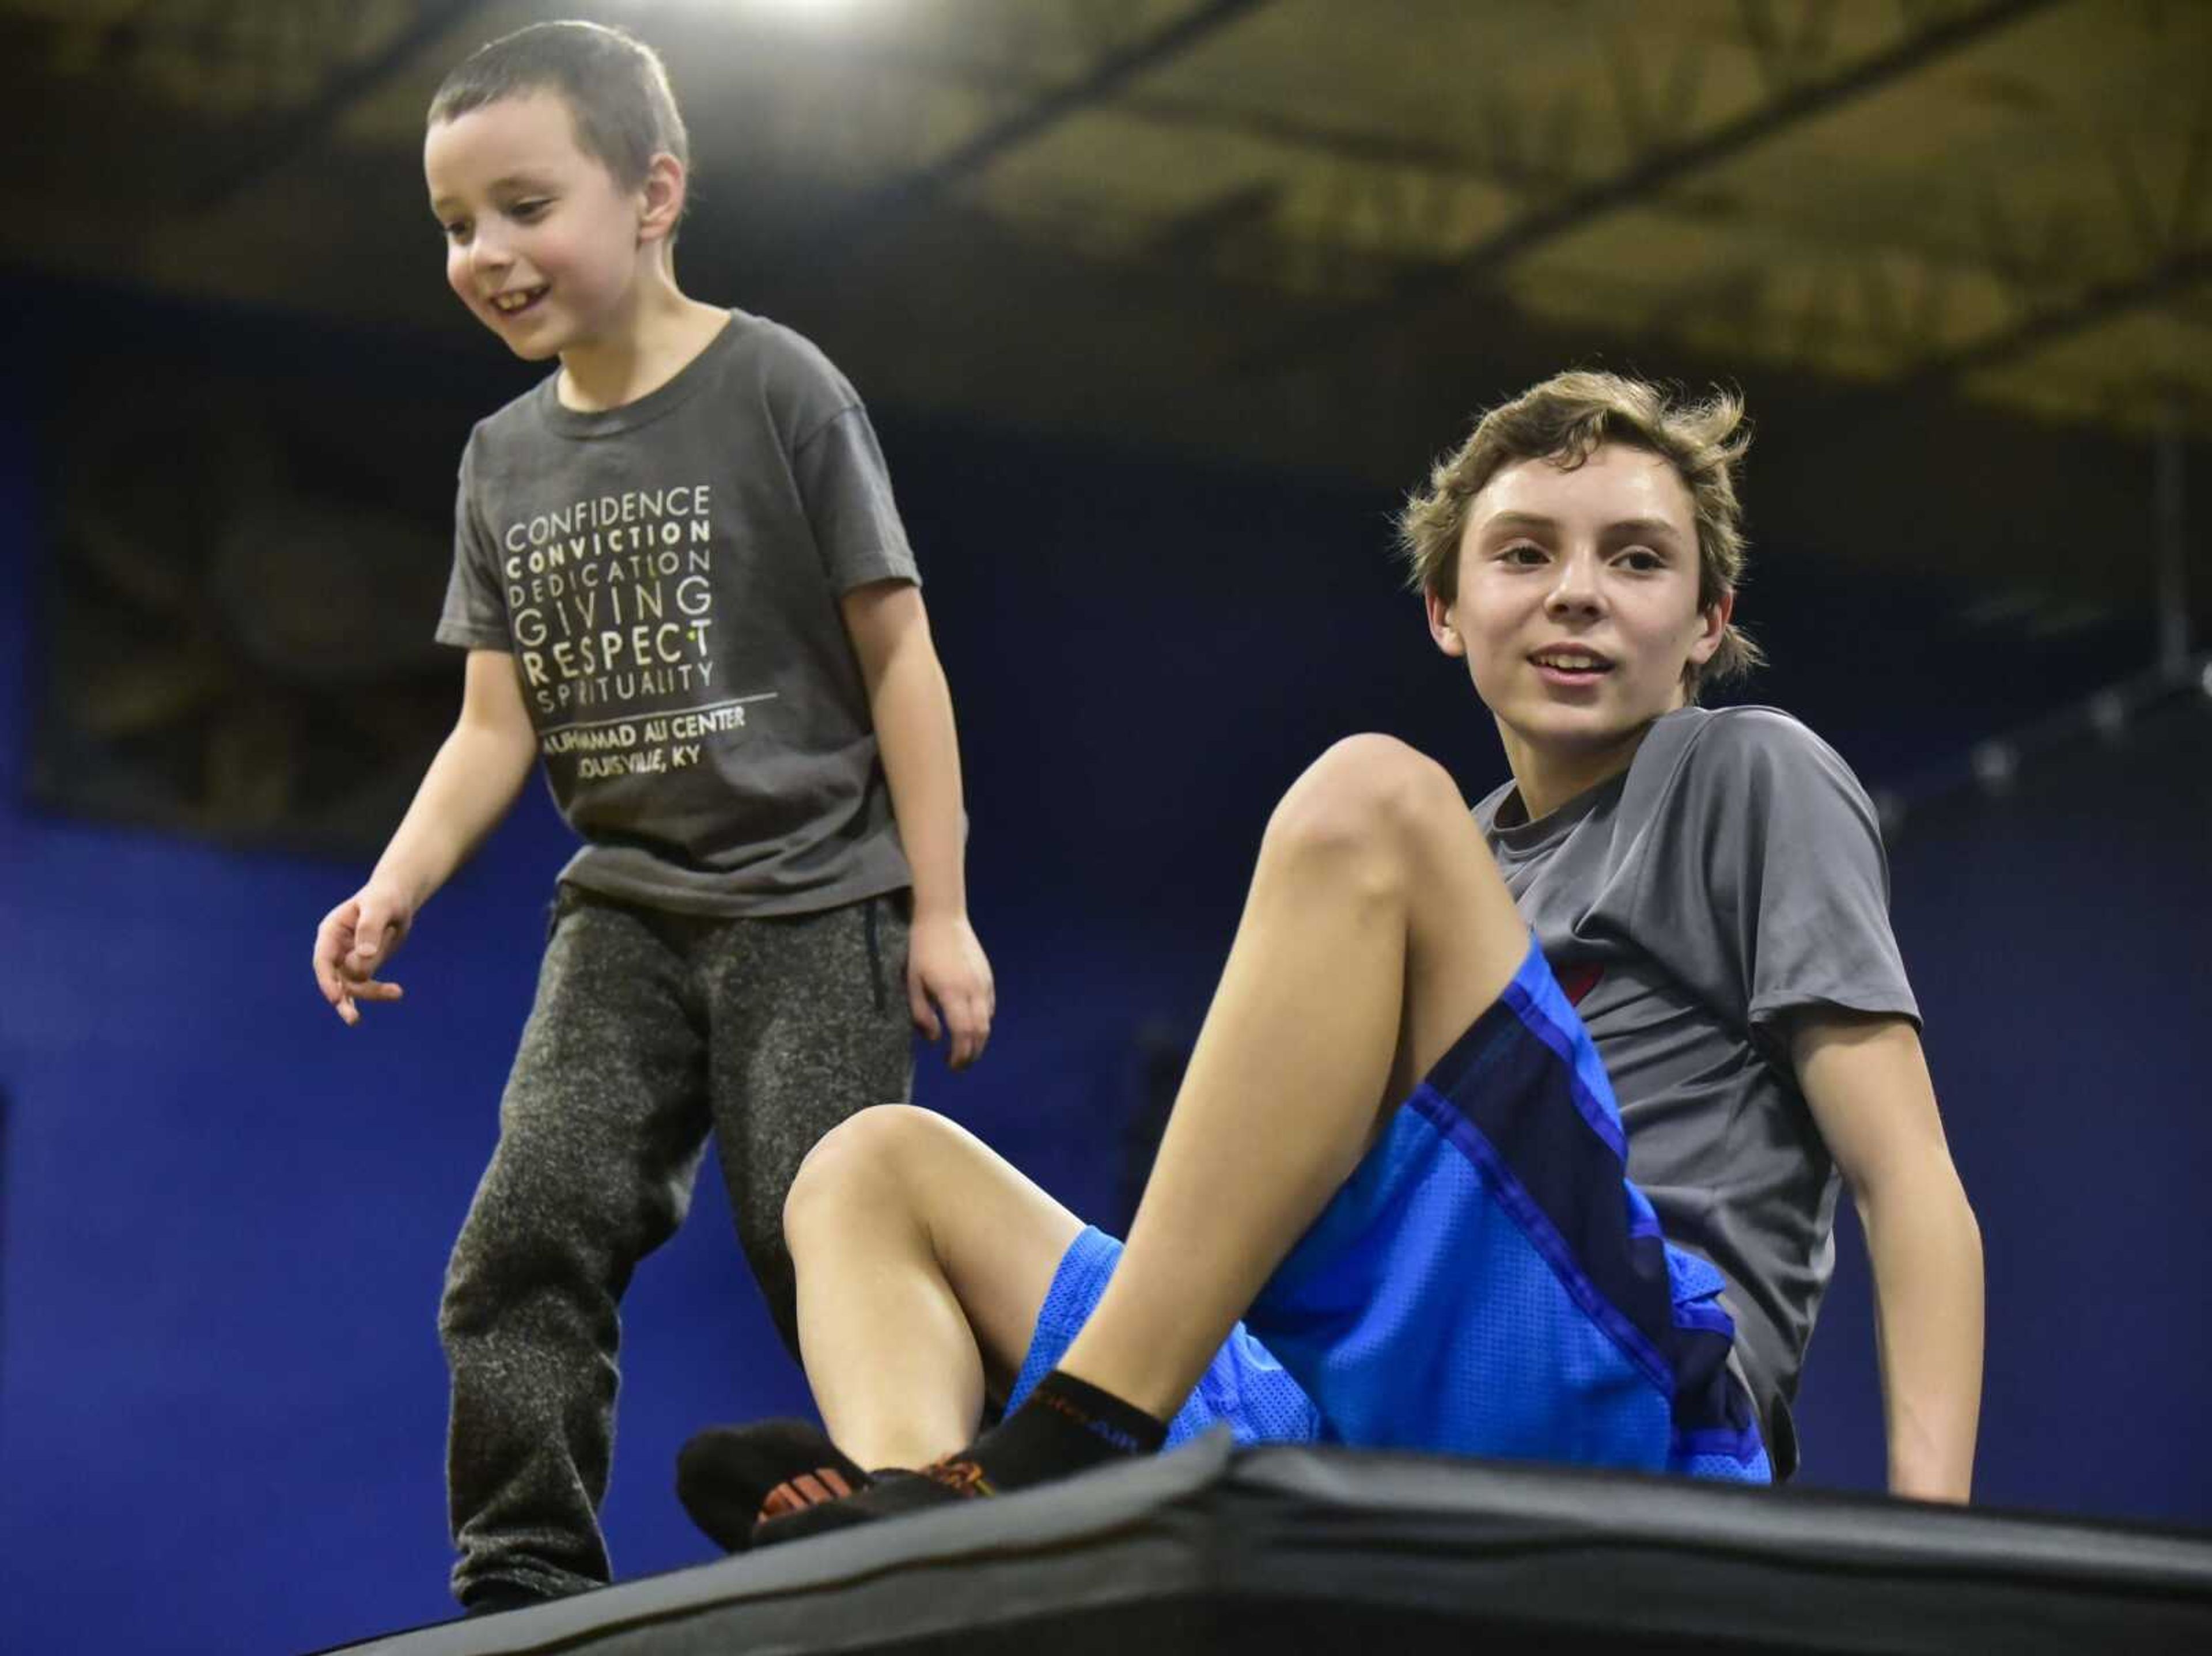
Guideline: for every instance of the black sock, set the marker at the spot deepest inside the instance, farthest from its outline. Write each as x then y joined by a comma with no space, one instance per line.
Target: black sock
1064,1427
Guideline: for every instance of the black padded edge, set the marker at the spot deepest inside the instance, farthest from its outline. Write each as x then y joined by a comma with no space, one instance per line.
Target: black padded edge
1296,1551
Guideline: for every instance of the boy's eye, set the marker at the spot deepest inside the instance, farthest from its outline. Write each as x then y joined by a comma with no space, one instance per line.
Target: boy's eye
1522,552
456,229
526,210
1643,560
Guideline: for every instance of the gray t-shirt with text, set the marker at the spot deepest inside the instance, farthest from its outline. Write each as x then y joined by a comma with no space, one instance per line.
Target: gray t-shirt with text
1731,876
666,575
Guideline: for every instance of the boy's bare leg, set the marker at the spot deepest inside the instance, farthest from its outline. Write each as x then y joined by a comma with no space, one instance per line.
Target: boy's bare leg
1377,930
923,1259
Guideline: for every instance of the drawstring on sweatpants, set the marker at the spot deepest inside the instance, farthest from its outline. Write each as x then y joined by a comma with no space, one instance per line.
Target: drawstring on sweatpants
875,952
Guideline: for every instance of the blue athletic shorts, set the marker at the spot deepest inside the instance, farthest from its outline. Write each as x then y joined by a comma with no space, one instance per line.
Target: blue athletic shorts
1487,1283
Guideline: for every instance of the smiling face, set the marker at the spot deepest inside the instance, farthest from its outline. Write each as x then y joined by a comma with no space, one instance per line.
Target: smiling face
543,243
1576,607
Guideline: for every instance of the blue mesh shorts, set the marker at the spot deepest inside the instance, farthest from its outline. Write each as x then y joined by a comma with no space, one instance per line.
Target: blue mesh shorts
1487,1283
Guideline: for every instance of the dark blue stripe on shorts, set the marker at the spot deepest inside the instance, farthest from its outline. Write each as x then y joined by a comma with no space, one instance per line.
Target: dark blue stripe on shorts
1560,1170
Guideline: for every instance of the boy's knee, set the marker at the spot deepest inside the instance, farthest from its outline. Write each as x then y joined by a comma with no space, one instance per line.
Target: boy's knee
548,1228
866,1157
491,1273
1366,800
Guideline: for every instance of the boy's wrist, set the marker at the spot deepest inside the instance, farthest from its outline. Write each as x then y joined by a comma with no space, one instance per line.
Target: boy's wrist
408,888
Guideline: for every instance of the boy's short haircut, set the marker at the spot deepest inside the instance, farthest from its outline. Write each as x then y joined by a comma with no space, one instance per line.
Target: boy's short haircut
1564,420
614,85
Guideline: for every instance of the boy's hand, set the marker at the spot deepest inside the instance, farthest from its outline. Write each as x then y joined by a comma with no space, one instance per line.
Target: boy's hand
354,941
944,963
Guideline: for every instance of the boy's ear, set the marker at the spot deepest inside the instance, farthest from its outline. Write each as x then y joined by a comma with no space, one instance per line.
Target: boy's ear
662,198
1442,628
1712,625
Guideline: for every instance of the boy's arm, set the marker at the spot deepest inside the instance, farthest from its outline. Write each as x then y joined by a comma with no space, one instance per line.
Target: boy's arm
1867,1082
912,707
470,785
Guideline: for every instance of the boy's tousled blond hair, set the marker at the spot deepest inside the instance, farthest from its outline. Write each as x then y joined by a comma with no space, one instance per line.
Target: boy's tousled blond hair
614,85
1564,420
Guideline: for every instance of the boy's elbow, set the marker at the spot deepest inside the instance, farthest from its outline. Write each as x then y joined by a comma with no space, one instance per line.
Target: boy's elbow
1970,1229
495,739
1927,1201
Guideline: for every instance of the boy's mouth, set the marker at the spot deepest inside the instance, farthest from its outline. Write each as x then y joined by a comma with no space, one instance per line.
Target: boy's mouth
516,300
1570,664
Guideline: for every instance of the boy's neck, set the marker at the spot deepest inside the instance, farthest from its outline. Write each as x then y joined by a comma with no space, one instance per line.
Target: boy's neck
663,335
1546,778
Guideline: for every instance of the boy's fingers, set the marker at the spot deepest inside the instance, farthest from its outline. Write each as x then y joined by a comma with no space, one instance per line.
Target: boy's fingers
330,951
971,1028
925,1014
358,990
367,934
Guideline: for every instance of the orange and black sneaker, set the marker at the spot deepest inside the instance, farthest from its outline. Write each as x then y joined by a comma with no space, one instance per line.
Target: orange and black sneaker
961,1476
731,1478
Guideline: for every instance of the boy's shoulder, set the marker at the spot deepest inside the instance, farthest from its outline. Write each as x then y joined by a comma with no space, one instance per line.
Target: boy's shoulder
790,364
1719,765
1734,740
784,361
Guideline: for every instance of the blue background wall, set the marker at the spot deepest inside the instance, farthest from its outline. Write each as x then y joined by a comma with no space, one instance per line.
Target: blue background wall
226,1217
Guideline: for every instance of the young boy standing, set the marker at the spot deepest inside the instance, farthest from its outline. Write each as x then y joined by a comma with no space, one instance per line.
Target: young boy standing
1397,1154
681,581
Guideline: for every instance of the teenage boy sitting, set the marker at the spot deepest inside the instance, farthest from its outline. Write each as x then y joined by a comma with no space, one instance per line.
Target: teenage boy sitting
1396,1153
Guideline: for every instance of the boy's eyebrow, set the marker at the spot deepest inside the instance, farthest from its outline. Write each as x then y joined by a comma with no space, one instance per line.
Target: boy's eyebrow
512,181
1659,526
1536,520
1520,520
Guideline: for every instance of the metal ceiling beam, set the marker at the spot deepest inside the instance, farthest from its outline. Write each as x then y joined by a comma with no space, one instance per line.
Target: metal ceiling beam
2176,273
1655,172
1105,78
1207,117
307,126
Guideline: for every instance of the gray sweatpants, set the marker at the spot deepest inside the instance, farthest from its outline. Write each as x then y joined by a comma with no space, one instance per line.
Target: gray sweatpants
649,1028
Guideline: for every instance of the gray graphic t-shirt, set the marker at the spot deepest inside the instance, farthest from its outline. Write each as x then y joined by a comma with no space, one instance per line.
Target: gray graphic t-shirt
1731,876
667,576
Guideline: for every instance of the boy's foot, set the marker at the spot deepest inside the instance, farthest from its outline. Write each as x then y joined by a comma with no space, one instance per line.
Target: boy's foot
1067,1426
730,1478
945,1484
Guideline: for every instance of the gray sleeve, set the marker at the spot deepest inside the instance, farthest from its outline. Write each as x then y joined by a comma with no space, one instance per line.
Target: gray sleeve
1799,882
836,463
848,491
475,616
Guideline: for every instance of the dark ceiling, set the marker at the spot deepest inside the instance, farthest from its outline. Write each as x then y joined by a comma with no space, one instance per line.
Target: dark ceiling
1959,252
1222,212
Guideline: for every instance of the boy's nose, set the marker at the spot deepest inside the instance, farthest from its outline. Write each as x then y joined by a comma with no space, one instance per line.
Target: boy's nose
1575,586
